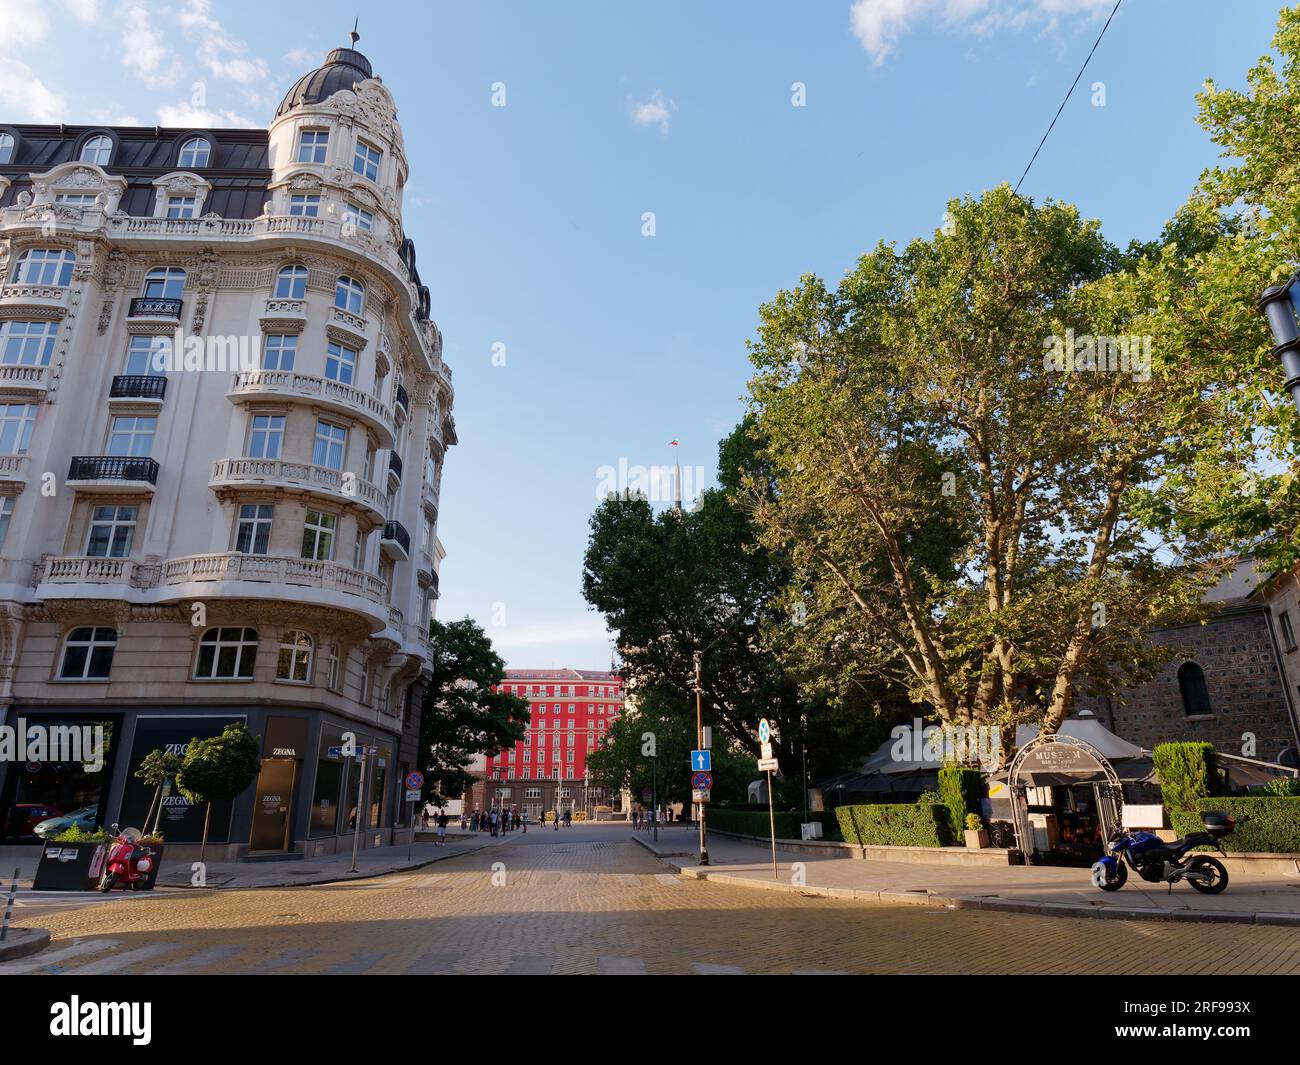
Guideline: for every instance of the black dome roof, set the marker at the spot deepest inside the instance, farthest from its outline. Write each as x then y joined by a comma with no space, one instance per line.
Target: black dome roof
343,68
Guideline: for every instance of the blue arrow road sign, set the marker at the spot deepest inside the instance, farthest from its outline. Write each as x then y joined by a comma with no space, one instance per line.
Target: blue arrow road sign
701,761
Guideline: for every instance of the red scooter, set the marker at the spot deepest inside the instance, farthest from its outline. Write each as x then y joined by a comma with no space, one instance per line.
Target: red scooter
129,861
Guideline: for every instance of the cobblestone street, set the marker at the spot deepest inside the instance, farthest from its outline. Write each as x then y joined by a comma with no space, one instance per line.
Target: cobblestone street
588,900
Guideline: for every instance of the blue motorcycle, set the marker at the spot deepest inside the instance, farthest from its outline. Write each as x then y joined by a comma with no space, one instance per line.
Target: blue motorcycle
1159,862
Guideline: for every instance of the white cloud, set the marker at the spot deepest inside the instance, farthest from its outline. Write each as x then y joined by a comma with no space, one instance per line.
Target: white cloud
880,24
25,98
85,11
144,52
655,111
22,24
223,55
301,57
187,116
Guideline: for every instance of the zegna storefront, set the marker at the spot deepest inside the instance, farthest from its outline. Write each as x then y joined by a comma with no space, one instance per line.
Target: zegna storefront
305,798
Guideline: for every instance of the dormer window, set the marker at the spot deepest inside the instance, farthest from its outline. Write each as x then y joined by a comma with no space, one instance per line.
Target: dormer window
180,206
312,144
98,150
6,148
195,153
304,206
366,161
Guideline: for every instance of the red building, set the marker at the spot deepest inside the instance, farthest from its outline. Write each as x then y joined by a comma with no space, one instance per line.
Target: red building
571,710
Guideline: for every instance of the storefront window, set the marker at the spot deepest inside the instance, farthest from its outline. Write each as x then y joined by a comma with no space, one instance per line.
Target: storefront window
43,798
379,785
329,777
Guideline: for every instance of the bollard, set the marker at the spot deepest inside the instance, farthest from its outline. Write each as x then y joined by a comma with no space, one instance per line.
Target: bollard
9,907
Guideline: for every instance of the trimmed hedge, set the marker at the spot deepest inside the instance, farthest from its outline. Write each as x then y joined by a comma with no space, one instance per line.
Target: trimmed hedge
960,790
755,822
895,824
1265,824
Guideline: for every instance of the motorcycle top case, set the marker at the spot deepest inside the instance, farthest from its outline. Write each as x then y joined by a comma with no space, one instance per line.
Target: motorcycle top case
1217,823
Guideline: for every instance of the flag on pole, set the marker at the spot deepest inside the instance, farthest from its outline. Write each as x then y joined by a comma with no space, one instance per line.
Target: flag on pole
673,442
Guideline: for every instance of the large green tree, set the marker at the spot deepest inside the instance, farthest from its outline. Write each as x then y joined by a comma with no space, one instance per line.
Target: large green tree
1019,387
219,768
464,712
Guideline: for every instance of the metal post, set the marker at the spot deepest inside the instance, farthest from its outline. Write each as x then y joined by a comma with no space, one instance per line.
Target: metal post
9,907
771,821
356,831
654,793
1277,306
699,742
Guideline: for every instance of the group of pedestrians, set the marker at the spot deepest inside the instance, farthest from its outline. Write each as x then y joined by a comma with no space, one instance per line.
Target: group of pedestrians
496,821
647,819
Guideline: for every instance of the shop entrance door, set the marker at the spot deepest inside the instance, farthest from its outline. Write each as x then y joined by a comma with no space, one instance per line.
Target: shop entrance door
272,805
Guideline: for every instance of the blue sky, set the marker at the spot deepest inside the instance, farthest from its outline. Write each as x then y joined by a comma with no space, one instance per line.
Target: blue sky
529,217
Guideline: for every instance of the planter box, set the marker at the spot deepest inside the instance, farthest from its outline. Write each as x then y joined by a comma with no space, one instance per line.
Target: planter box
70,866
976,839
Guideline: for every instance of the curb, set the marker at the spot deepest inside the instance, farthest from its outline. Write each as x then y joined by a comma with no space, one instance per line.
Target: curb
28,941
649,845
994,905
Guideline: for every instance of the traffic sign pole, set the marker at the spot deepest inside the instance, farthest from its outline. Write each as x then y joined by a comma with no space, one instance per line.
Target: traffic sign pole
771,820
361,791
699,739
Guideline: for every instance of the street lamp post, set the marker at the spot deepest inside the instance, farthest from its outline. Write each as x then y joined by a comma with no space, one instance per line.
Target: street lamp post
699,740
1278,303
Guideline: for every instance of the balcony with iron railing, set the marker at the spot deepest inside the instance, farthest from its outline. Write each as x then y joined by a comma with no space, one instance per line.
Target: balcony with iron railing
106,473
320,392
154,307
395,465
138,386
231,474
396,541
401,398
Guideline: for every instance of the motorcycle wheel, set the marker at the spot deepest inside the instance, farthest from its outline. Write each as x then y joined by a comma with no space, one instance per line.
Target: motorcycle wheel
1118,881
107,882
1219,875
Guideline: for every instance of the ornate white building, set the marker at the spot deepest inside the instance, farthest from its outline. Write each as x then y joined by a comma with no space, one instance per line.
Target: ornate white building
223,415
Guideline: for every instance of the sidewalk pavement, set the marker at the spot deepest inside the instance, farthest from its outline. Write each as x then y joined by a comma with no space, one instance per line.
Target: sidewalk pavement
376,861
1272,900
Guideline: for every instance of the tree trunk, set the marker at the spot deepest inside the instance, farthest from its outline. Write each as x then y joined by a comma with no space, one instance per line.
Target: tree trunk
157,797
203,847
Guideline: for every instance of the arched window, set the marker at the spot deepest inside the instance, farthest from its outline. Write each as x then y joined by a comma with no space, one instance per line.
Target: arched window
1196,696
164,283
349,295
45,266
88,654
6,148
226,654
294,662
97,150
195,153
291,283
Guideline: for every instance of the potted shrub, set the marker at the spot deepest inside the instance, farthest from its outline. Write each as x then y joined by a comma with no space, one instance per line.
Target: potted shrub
977,837
71,861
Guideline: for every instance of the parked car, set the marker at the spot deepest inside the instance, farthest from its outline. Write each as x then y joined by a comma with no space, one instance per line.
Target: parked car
25,816
83,819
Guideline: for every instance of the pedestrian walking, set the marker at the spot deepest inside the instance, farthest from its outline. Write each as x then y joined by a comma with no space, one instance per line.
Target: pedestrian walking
442,829
524,821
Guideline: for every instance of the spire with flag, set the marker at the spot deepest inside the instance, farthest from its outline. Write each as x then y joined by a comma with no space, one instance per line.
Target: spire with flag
677,488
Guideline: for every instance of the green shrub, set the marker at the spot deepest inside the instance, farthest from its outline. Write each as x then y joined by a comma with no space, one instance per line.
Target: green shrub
1282,786
73,834
1265,824
755,822
896,824
960,789
1187,772
974,823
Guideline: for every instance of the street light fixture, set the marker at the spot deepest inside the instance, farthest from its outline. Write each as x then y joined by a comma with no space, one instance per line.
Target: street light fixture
1281,305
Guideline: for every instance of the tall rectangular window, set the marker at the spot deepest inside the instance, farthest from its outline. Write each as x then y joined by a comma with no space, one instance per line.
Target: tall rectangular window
340,363
366,161
265,436
16,421
27,343
359,217
132,435
253,534
1288,634
148,355
6,512
278,351
318,535
330,442
312,144
111,531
